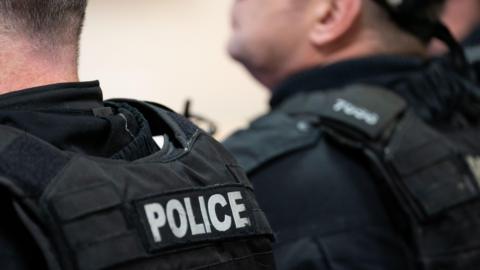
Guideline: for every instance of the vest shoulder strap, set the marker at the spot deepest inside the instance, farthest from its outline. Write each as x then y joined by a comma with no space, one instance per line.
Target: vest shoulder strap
428,180
270,137
423,167
367,111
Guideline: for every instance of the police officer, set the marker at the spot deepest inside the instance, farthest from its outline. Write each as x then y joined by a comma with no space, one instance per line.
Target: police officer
87,184
368,157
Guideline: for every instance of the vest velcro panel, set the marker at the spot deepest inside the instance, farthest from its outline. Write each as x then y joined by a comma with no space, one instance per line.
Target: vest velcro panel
32,165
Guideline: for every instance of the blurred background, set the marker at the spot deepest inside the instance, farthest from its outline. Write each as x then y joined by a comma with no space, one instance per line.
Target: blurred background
169,51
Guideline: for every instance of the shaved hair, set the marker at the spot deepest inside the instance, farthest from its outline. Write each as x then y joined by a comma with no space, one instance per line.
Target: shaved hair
51,22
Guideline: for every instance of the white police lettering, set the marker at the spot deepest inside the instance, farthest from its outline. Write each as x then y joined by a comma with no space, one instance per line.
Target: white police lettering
233,198
208,228
361,114
175,206
196,216
157,219
220,226
194,226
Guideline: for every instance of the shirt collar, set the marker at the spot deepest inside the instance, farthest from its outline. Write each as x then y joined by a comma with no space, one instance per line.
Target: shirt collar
72,96
378,69
65,115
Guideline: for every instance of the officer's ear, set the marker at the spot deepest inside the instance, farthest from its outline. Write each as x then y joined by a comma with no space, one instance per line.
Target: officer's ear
333,20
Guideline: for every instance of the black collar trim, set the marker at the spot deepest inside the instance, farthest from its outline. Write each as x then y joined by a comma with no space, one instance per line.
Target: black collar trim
72,96
337,75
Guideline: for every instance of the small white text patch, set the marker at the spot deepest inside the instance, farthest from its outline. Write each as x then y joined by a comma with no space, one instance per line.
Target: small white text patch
346,107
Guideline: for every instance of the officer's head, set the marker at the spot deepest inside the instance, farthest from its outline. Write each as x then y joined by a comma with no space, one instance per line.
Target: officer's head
275,38
46,24
39,42
51,22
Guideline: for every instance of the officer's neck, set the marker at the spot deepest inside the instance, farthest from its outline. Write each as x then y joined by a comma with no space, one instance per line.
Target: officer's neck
368,43
24,65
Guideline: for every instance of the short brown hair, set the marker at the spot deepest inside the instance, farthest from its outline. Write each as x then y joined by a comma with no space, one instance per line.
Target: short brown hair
53,21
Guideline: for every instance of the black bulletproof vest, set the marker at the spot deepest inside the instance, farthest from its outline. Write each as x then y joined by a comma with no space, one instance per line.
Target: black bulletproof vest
430,180
188,206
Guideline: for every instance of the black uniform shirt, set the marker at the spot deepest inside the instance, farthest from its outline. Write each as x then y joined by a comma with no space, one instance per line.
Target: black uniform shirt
382,70
67,116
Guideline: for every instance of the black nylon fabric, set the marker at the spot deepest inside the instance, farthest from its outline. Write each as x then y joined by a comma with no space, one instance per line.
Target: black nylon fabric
435,188
167,122
61,114
328,210
82,208
68,109
30,164
89,200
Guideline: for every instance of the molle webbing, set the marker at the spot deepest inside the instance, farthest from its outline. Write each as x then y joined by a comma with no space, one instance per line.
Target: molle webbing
433,170
421,166
102,213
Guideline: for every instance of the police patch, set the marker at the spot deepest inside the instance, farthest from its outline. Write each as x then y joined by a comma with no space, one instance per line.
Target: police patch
187,217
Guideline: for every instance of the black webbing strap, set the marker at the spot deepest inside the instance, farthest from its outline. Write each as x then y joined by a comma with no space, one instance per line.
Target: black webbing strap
365,109
422,167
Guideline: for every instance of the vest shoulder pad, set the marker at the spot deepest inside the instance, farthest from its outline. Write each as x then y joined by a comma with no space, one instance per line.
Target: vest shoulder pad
270,137
366,110
429,180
